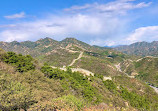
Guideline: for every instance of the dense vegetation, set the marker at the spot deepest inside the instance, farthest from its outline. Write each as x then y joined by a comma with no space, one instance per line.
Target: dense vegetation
81,84
26,84
15,96
22,63
58,89
74,81
144,69
147,69
135,100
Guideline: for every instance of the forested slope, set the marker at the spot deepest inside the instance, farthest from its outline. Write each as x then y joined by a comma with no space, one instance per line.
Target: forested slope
29,85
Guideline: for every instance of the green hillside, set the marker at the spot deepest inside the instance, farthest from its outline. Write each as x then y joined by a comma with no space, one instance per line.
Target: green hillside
145,69
89,80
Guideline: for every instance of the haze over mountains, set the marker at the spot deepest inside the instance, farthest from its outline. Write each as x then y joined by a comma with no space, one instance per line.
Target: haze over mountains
140,48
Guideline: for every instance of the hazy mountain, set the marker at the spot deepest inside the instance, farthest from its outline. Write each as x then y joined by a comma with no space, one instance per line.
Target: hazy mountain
140,48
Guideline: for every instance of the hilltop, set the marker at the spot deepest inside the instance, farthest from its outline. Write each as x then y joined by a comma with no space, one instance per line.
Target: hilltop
43,46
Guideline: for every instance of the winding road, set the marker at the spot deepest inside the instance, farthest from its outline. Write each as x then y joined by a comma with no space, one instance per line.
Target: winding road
72,63
118,67
83,71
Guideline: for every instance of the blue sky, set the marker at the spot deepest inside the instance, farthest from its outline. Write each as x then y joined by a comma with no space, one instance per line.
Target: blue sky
97,22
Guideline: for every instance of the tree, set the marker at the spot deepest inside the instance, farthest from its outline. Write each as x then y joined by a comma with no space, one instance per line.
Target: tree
15,96
22,63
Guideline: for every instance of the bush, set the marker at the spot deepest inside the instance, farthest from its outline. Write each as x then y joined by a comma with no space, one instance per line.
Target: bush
99,76
140,102
14,96
22,63
142,75
137,64
2,53
135,100
68,102
110,85
72,80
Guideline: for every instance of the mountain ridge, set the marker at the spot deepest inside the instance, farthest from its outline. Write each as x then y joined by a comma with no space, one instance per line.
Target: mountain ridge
140,48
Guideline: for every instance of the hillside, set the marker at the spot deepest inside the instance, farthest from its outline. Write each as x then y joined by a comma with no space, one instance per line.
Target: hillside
140,49
27,85
145,69
44,46
59,53
72,75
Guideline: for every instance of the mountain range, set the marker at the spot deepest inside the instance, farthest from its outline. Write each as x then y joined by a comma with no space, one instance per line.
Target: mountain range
73,75
140,49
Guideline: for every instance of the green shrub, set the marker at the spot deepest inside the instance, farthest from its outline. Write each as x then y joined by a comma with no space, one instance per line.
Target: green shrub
72,80
14,96
142,75
68,101
135,100
110,85
99,76
22,63
137,64
140,102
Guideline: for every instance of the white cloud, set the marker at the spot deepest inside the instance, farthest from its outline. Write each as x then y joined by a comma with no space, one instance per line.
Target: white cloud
16,16
94,28
117,7
79,25
100,42
149,34
86,6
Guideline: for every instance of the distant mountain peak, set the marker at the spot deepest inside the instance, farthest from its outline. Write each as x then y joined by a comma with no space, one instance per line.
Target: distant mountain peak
69,39
46,39
15,43
140,48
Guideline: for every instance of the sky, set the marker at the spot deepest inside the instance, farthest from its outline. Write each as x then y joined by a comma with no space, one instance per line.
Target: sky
96,22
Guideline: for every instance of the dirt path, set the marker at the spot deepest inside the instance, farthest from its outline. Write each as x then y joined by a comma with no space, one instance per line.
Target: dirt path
155,88
118,67
145,57
76,59
83,71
